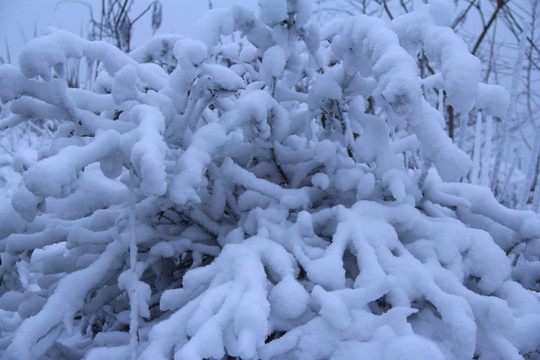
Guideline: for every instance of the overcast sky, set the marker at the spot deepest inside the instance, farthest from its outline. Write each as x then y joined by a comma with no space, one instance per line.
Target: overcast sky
18,18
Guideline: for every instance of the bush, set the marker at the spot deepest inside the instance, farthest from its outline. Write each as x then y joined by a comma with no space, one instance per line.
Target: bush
270,189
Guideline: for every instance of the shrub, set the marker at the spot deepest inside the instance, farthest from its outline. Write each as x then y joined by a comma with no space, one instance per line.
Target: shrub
269,189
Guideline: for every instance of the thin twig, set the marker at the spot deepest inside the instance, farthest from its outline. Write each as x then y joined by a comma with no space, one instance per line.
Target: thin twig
120,14
462,15
387,10
500,4
144,12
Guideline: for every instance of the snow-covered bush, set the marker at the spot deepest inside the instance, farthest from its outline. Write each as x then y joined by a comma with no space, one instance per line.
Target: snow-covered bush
233,194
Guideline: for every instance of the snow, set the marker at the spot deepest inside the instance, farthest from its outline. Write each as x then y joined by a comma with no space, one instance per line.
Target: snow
44,53
52,176
493,99
321,180
91,101
25,203
11,81
224,77
69,292
451,162
288,299
124,86
272,12
159,49
273,62
118,352
459,69
293,198
325,89
190,52
149,152
270,189
332,308
192,163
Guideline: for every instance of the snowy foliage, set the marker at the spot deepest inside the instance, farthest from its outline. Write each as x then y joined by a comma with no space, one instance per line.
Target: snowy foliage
267,189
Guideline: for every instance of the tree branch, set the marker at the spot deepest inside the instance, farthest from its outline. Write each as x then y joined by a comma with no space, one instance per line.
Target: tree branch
500,4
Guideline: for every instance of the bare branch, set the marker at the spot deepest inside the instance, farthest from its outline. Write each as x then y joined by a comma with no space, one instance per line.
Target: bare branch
387,10
500,4
462,15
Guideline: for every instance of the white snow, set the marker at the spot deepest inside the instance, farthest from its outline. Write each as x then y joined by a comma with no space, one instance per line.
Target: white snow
268,189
